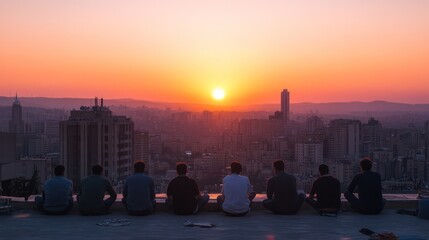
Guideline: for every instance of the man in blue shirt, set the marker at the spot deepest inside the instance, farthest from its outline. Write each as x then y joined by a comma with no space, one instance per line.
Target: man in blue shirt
57,198
139,192
370,199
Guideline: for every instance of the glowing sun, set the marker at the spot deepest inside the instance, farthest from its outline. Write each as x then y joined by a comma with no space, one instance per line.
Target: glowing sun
218,94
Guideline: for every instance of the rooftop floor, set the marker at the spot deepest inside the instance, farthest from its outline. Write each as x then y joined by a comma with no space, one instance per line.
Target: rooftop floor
261,224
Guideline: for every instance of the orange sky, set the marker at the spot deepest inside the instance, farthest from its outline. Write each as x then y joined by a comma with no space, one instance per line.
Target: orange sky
178,51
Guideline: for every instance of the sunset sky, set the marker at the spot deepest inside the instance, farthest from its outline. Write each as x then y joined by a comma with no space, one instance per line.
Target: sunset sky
179,51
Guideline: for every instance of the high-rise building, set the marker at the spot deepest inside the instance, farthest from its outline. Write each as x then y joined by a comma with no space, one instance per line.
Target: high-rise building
16,124
310,152
93,135
285,104
141,146
344,139
371,137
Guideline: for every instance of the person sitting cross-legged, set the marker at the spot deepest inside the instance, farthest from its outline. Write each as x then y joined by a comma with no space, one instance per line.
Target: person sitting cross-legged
327,191
370,199
237,193
91,193
139,192
183,193
57,196
282,195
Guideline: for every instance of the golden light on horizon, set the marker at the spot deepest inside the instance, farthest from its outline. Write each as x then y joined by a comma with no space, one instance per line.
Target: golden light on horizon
218,93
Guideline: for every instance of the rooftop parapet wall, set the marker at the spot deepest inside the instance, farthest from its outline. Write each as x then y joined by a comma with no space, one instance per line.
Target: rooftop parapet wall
393,201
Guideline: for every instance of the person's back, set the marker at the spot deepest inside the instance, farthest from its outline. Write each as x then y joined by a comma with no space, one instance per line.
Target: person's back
183,191
369,190
328,191
283,188
139,191
91,193
236,189
282,195
370,199
58,193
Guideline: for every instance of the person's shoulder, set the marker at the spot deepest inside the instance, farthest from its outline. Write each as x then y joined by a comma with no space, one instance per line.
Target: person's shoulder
244,178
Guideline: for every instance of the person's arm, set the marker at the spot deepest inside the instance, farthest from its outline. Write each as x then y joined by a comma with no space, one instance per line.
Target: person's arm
313,190
110,190
170,191
270,189
196,190
152,189
125,191
352,185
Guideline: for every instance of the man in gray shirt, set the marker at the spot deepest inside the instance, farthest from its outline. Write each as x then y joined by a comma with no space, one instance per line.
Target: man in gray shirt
57,198
139,192
91,193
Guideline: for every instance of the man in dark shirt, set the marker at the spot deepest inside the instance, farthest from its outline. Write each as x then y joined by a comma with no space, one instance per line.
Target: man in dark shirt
91,193
370,199
328,192
183,194
139,192
281,192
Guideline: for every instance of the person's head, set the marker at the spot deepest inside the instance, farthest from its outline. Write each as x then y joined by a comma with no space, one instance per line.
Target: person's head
181,168
323,169
236,167
139,167
97,169
279,166
59,170
366,164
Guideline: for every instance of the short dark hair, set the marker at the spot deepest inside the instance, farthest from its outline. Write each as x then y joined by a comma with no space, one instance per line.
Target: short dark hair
97,169
366,164
323,169
59,170
139,166
236,167
279,165
181,168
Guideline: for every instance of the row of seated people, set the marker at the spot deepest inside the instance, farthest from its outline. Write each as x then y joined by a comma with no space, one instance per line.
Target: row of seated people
236,197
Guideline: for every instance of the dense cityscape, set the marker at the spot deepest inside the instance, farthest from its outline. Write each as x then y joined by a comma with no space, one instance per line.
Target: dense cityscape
34,140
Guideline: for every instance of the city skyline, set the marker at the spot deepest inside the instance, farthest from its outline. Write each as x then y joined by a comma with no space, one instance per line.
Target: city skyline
180,51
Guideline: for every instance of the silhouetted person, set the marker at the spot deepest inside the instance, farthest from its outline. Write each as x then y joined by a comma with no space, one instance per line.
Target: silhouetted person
237,193
370,199
282,196
91,193
183,193
327,191
139,192
57,196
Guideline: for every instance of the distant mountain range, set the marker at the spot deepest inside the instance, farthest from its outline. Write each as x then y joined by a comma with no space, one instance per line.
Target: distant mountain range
306,107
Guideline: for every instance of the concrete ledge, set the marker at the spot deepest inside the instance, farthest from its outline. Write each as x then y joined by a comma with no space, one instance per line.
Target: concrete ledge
393,201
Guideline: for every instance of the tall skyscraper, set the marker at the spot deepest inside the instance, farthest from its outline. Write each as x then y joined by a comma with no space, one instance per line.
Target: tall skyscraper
93,135
285,104
16,124
344,139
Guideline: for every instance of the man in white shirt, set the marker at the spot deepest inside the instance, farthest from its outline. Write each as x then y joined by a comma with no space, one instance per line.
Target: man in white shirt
237,193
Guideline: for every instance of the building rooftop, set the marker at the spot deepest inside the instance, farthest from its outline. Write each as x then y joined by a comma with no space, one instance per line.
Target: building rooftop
28,224
25,223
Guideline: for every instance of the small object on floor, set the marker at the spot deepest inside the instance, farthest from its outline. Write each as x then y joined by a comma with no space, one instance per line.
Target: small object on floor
188,223
378,236
326,214
114,222
407,212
